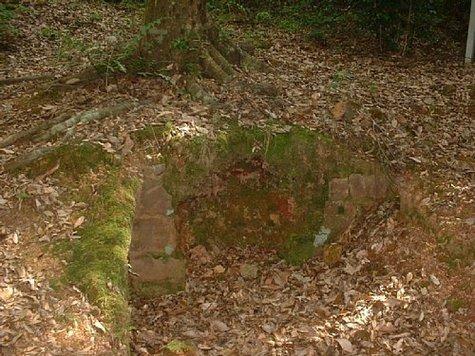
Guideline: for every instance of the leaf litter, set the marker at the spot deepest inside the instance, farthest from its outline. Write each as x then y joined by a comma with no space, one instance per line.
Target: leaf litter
391,292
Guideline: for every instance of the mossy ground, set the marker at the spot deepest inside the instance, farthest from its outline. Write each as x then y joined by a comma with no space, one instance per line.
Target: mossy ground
73,160
255,186
150,290
98,260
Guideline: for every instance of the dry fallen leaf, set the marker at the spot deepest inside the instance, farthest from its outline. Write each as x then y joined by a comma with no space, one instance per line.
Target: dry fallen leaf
79,221
98,325
219,269
345,345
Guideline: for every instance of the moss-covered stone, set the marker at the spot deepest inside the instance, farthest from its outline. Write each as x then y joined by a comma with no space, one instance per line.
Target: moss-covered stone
298,249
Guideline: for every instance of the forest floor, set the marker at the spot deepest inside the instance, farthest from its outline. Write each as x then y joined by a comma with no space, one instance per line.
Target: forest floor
403,285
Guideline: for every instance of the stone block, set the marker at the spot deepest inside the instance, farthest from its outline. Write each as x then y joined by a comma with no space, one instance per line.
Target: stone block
357,183
155,235
155,276
376,187
339,189
153,199
338,216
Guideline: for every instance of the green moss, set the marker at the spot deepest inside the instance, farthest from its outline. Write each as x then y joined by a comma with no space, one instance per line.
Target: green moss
98,260
297,249
272,183
73,160
151,133
178,346
454,304
150,289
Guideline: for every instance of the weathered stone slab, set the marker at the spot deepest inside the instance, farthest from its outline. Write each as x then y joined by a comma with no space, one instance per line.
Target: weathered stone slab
357,184
152,254
339,215
347,195
153,199
155,235
376,187
152,276
369,187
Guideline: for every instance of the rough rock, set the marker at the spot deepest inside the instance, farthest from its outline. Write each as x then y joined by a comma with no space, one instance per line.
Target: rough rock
165,273
153,235
376,187
358,188
344,110
339,215
152,254
153,199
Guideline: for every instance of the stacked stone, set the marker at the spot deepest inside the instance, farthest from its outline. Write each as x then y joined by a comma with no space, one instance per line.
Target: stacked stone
349,195
155,262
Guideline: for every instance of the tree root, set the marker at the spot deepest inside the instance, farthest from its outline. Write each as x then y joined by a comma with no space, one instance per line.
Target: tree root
213,69
217,61
64,125
28,158
221,60
28,78
85,117
9,140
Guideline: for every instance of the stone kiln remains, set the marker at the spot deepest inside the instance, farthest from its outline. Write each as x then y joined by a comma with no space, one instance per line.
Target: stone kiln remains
292,193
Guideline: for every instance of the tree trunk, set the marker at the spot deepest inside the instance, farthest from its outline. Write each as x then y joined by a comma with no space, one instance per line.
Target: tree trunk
179,32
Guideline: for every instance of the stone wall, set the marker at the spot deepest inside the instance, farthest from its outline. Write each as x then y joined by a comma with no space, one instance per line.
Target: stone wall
350,195
157,267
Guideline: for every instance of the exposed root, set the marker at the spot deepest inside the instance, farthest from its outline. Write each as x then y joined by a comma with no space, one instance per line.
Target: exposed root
28,158
29,78
221,60
212,69
71,82
26,134
95,114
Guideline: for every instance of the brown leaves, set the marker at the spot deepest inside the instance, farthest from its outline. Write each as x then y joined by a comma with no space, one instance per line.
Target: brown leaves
343,110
